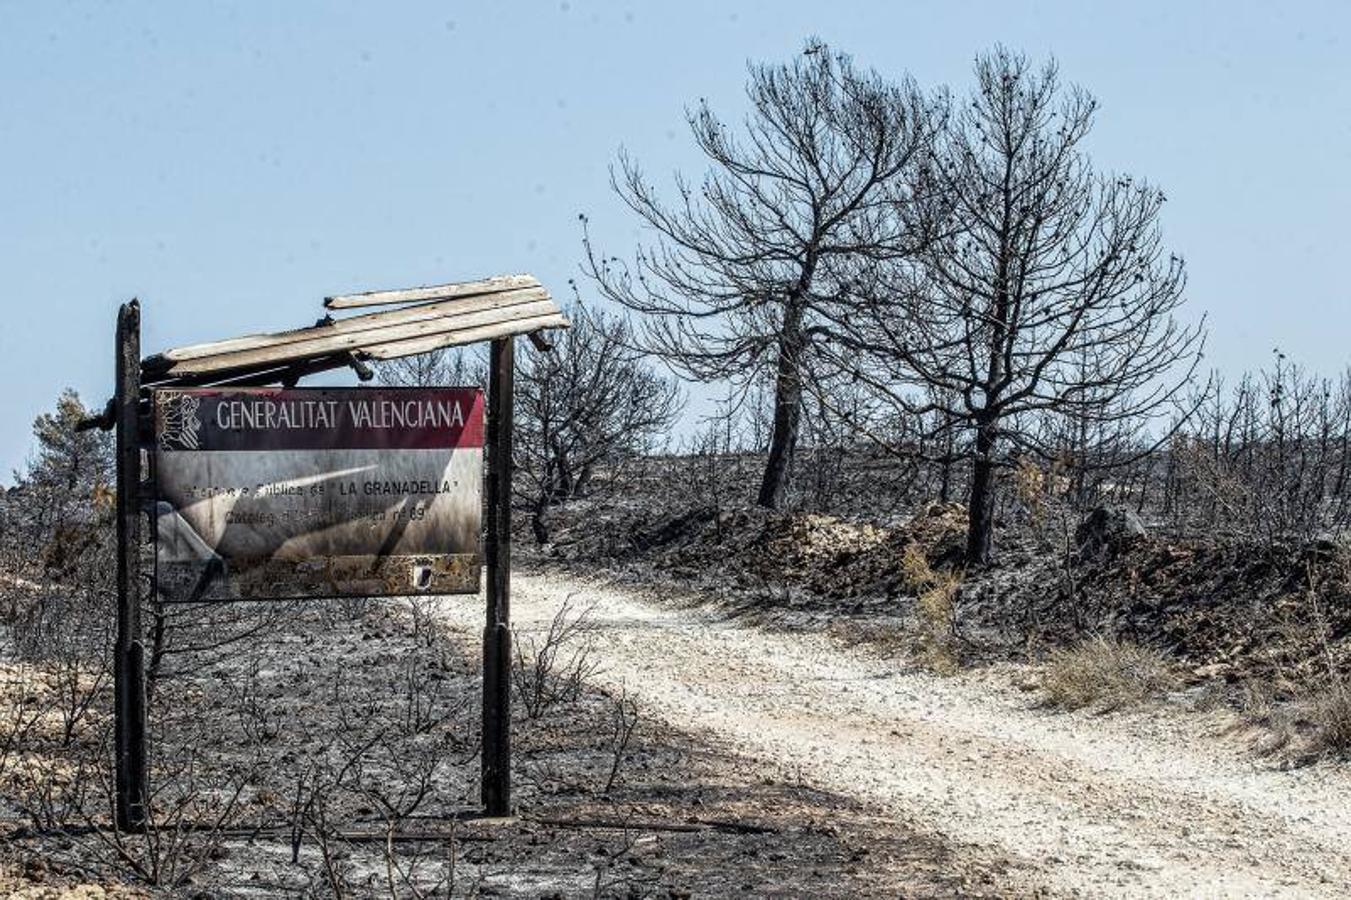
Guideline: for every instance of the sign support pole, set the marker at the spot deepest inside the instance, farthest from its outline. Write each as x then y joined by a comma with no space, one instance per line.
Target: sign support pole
496,772
129,651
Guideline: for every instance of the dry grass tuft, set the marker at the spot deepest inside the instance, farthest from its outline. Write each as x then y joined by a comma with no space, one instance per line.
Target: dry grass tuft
915,569
1314,722
936,608
1107,673
1329,713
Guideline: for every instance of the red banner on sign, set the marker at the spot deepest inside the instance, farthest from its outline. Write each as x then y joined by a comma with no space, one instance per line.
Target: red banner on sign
318,419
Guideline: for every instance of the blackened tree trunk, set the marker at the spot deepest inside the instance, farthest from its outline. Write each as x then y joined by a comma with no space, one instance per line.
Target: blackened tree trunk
583,483
787,410
538,526
980,507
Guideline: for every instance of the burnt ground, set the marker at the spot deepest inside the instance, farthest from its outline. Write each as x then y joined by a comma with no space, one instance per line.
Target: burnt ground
1222,608
335,753
332,749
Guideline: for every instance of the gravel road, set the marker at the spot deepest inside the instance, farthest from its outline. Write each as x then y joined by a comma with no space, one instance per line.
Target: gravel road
1159,803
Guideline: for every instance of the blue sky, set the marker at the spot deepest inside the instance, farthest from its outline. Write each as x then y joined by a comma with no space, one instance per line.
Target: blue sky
231,164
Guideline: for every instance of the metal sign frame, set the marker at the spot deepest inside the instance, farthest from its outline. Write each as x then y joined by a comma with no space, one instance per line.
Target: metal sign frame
450,566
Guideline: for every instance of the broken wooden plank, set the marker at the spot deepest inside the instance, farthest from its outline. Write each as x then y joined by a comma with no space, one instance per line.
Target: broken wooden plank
431,292
324,342
253,376
104,421
354,325
690,825
289,375
459,337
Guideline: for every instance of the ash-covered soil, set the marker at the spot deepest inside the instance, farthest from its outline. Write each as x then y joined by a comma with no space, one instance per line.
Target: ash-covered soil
335,753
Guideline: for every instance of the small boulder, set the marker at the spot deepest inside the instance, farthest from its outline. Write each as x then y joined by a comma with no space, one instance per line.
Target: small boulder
1108,528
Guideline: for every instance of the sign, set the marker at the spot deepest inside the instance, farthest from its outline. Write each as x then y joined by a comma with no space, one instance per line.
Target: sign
271,493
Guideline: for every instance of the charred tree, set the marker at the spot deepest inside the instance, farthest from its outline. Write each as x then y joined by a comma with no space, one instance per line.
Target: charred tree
588,402
1044,289
748,275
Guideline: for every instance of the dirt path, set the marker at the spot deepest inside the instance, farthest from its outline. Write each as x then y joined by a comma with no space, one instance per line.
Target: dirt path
1147,804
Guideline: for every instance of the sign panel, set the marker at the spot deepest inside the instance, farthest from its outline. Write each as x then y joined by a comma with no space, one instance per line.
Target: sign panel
314,492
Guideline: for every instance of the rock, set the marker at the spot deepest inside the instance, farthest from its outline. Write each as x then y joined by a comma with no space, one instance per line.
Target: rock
1108,528
940,509
1214,670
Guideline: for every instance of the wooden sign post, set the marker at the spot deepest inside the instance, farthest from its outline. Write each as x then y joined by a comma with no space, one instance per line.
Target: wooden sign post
128,651
496,762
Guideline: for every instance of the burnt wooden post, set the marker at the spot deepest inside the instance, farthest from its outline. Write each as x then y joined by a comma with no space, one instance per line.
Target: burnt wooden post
128,651
496,780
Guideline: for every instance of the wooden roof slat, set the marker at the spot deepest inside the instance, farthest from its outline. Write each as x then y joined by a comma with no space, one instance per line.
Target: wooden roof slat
429,319
457,338
432,292
323,341
270,373
352,325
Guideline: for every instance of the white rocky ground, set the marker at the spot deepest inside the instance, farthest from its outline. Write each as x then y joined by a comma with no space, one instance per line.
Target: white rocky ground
1162,803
